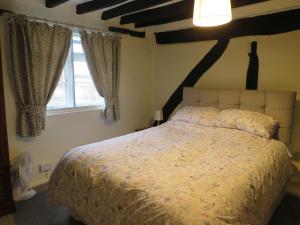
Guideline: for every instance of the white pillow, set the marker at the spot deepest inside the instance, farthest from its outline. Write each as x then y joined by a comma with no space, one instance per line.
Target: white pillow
205,116
250,121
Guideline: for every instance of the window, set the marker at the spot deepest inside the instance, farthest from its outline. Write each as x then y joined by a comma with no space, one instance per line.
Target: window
75,87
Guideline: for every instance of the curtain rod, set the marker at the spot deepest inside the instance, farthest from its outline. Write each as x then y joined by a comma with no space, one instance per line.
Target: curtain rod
69,25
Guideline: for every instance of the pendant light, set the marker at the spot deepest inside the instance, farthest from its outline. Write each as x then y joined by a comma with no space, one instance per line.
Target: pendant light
208,13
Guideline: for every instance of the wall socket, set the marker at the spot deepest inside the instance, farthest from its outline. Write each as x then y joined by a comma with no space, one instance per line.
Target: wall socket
45,167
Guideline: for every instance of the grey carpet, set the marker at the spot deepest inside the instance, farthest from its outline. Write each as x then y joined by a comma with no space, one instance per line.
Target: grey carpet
288,212
37,211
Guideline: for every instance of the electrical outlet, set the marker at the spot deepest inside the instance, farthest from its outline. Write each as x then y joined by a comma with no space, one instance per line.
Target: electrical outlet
45,167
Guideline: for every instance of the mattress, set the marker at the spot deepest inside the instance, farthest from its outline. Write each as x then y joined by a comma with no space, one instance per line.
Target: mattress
175,174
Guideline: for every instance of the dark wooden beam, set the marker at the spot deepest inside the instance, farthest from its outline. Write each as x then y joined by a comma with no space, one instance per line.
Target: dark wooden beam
54,3
253,68
127,31
241,3
192,78
96,5
171,13
131,7
270,24
157,13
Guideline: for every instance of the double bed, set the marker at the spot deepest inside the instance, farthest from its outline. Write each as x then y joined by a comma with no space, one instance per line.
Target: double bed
182,173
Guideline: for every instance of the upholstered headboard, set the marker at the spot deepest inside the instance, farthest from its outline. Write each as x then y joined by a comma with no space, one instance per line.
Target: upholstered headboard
280,105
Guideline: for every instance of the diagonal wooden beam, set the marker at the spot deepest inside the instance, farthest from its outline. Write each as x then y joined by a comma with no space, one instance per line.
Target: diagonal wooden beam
192,78
127,31
130,7
54,3
269,24
171,13
96,5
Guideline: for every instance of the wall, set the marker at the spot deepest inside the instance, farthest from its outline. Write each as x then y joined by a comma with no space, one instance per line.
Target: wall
66,131
149,74
279,68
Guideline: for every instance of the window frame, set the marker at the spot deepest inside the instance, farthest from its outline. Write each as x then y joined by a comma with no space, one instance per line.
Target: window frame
71,106
78,109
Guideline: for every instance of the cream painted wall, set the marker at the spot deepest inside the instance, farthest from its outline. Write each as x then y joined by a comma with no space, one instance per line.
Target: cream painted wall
279,68
67,131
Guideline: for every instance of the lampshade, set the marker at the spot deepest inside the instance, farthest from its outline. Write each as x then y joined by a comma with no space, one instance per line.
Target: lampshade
158,115
212,12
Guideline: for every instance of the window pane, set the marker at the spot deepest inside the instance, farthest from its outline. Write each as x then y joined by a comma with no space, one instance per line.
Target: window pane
77,48
76,37
75,85
85,91
59,97
86,94
81,70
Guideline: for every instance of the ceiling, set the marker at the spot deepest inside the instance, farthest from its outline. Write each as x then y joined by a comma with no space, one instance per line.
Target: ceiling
161,15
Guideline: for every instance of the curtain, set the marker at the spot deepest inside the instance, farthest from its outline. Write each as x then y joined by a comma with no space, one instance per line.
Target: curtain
38,52
103,58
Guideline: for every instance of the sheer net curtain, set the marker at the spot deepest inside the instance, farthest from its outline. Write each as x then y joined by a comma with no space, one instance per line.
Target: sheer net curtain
39,52
103,57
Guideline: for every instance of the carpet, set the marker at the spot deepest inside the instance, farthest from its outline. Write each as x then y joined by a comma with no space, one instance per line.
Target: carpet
37,211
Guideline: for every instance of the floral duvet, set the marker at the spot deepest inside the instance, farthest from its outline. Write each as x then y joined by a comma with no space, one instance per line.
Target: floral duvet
176,174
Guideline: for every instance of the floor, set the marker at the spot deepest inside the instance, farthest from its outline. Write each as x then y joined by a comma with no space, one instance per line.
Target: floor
37,211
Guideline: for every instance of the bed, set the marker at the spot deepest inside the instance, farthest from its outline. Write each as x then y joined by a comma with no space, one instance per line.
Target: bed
182,173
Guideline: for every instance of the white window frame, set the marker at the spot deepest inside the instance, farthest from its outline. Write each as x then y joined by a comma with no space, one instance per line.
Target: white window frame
70,92
61,111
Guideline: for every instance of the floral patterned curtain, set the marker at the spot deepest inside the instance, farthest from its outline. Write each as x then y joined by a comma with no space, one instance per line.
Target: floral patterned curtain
103,57
38,52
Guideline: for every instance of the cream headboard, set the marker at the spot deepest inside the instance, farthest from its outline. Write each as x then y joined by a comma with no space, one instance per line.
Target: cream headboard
280,105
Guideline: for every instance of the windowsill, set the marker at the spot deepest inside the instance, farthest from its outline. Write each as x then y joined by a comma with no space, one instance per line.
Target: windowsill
55,112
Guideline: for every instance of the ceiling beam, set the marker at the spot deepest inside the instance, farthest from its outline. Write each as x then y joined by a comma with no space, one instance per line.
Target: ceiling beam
157,13
130,7
54,3
178,11
127,31
96,5
270,24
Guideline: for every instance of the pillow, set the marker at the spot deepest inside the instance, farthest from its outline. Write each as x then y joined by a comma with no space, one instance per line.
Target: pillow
252,122
205,116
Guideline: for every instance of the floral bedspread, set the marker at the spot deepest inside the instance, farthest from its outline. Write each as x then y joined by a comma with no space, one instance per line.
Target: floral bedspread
175,174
